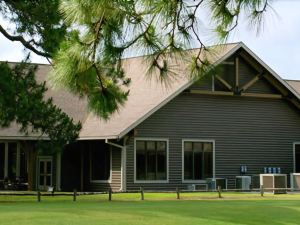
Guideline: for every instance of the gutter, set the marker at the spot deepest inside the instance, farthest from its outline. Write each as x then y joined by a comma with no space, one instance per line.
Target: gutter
123,160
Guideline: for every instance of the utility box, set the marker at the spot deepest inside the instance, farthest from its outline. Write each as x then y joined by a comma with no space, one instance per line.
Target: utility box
243,182
274,181
295,181
213,183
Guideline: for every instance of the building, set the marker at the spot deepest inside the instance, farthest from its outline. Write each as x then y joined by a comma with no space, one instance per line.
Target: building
163,138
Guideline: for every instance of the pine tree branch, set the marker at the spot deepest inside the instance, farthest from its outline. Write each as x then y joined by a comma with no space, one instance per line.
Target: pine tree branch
25,43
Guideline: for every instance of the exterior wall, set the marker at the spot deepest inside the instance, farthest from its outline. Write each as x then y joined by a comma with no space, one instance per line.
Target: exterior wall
247,131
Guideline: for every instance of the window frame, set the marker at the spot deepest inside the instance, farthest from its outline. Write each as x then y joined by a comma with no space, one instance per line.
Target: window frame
110,168
167,163
182,159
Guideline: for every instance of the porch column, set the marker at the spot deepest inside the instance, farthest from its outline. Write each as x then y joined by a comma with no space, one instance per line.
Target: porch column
58,171
123,168
32,155
18,160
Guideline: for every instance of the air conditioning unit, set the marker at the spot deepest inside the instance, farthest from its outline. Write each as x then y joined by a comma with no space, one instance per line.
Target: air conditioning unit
213,183
191,187
295,181
243,182
274,181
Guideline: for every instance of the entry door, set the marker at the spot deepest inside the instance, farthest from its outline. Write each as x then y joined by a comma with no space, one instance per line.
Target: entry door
297,158
45,173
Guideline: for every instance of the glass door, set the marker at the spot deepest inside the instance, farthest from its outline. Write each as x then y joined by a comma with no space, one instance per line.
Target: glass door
45,173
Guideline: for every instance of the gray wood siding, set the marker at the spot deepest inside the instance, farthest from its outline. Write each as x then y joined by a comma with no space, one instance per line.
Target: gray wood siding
205,83
250,131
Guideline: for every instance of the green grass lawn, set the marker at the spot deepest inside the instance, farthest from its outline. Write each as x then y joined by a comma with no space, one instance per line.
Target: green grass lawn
157,209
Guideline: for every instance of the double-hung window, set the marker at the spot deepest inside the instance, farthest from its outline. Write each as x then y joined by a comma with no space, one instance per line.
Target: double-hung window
151,160
197,160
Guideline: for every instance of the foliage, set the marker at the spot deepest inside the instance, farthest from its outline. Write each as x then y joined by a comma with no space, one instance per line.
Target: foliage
22,101
96,35
90,61
38,24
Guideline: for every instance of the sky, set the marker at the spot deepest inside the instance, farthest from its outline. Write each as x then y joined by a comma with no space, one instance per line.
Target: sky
278,45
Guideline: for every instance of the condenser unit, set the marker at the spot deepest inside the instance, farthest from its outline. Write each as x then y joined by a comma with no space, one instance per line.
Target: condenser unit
213,183
243,182
295,181
273,182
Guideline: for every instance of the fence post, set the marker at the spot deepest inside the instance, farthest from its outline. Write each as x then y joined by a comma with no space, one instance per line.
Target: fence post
219,191
262,190
142,193
74,195
110,194
38,194
178,193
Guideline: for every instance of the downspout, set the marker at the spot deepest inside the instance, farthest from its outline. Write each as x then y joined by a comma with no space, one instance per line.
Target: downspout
123,160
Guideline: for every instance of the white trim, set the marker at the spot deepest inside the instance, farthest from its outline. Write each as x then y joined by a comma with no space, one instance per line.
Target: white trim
113,144
294,155
110,170
134,161
182,158
97,137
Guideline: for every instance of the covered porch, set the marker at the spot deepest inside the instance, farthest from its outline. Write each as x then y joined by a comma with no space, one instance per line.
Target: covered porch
92,165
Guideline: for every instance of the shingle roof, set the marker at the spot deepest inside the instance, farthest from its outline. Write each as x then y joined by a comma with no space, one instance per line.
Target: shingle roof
295,84
70,104
146,96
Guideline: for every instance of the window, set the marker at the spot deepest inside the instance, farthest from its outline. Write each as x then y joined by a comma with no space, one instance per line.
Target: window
151,160
197,160
100,162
